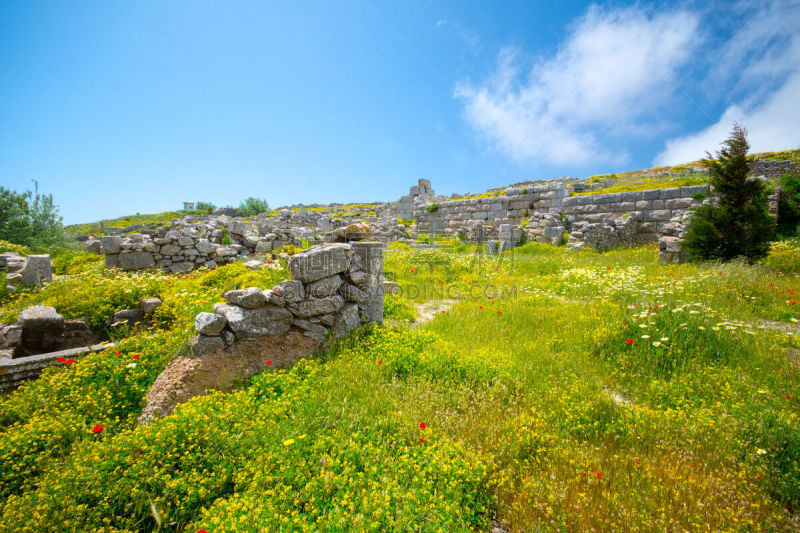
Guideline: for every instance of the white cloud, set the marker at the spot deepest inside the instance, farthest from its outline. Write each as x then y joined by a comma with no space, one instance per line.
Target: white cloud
762,61
773,125
612,71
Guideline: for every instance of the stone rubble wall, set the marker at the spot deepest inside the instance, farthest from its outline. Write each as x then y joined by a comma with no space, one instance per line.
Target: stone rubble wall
773,169
189,244
335,288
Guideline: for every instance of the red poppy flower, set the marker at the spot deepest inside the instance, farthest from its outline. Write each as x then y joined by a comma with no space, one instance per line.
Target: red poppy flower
202,531
61,359
269,363
98,428
638,463
788,397
599,475
583,474
629,341
499,312
759,478
481,307
624,323
794,303
117,352
69,361
137,355
380,362
442,311
422,440
422,425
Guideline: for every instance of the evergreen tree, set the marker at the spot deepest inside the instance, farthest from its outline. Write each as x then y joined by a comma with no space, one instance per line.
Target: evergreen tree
738,224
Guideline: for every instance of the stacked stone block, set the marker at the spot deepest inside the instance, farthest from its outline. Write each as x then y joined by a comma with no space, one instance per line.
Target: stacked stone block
334,289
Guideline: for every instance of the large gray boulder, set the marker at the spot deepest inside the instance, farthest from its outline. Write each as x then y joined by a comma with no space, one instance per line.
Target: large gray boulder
111,244
93,247
202,344
41,326
210,324
38,270
250,323
249,298
320,262
136,260
346,321
317,306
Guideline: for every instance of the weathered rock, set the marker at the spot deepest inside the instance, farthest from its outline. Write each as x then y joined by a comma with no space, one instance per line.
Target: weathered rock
346,321
10,335
38,270
291,290
131,316
323,287
275,297
254,264
136,260
181,267
93,246
310,326
249,298
41,326
249,323
111,244
169,249
351,293
149,305
210,324
317,306
202,345
320,262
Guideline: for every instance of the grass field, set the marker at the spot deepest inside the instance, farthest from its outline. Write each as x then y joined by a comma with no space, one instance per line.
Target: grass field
561,392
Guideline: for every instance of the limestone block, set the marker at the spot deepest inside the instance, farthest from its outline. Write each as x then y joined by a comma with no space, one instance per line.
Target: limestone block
249,298
250,323
136,260
111,244
38,269
320,262
210,324
317,306
323,287
202,344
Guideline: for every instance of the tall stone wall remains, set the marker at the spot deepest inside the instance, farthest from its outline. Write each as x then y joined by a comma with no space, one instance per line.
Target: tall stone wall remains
334,289
773,169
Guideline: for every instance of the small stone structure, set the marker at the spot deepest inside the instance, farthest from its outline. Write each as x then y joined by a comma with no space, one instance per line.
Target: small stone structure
334,288
32,270
15,371
40,329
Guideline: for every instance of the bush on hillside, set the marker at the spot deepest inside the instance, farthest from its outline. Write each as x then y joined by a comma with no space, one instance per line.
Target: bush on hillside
252,206
31,219
739,223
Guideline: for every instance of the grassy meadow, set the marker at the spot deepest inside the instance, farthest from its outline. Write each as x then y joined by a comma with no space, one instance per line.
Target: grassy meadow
558,391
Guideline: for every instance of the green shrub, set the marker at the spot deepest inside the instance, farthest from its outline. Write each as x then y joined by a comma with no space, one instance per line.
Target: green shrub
789,206
31,219
432,208
740,224
252,206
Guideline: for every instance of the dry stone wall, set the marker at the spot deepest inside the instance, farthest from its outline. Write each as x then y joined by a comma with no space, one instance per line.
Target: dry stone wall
335,288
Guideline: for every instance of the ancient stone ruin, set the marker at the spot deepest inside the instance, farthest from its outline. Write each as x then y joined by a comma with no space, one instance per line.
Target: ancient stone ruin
335,288
34,270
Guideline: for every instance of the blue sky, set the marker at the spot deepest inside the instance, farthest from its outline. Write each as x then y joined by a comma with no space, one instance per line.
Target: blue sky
135,106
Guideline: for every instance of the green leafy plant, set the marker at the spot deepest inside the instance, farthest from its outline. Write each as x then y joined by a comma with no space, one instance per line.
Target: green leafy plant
252,206
789,205
432,208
